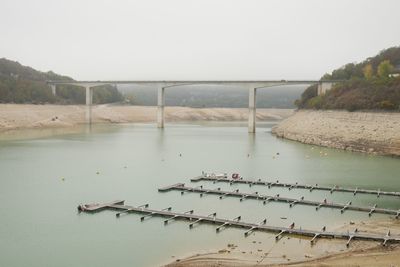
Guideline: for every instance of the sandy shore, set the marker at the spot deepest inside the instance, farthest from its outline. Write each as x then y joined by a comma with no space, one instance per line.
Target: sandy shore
371,132
15,116
324,253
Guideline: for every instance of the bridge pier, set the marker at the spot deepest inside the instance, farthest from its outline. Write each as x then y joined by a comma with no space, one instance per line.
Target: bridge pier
160,106
53,89
89,102
252,110
323,87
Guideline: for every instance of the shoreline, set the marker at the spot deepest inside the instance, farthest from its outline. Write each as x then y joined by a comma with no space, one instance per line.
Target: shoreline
28,116
366,132
331,252
373,257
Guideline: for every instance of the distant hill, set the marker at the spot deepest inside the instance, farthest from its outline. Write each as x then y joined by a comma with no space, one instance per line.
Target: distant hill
373,84
13,69
22,84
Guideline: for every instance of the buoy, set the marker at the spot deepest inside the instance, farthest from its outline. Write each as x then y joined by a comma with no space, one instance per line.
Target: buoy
97,172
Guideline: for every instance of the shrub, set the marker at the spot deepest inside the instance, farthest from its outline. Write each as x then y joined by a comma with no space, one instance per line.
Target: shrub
386,104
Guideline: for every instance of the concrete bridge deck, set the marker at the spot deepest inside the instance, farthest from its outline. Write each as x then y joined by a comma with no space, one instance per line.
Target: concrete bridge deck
251,85
236,222
291,201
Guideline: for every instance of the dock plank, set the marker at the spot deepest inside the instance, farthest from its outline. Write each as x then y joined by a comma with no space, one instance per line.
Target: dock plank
291,201
383,238
297,186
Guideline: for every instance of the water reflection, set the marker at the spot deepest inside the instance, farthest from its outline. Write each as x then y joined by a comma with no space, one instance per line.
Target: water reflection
38,207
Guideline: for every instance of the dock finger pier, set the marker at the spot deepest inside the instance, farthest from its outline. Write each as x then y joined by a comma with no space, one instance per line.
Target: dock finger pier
262,225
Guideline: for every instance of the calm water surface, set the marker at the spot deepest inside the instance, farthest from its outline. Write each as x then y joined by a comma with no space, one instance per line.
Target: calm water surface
40,226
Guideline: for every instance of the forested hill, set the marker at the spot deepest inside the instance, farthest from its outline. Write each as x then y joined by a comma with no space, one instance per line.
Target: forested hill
373,84
22,84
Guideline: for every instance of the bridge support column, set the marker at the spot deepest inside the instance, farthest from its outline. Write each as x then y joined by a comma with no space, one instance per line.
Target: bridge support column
252,110
89,102
323,87
53,89
160,106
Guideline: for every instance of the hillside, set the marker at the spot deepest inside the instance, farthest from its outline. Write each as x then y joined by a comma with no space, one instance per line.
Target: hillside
373,84
22,84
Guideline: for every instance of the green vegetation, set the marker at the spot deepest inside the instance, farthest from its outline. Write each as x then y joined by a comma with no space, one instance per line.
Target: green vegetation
21,84
370,85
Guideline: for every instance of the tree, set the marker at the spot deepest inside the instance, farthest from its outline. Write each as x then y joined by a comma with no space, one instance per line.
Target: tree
368,72
326,76
384,69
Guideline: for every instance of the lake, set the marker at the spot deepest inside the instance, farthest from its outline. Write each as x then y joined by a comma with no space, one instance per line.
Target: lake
43,180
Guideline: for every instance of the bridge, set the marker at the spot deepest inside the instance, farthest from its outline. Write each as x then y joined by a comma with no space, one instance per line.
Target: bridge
252,87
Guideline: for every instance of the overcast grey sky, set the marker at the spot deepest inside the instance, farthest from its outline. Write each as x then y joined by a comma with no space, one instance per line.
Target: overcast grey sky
203,39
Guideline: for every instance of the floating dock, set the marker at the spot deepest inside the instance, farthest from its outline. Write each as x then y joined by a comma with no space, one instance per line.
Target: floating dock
291,186
291,201
236,222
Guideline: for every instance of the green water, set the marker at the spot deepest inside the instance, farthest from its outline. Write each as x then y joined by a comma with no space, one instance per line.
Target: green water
40,226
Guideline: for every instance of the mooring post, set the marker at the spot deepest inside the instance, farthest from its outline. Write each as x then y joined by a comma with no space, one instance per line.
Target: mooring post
349,240
313,240
372,210
160,106
277,237
89,102
252,109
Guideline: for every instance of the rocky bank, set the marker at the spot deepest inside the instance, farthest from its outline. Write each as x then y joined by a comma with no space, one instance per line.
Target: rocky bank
369,132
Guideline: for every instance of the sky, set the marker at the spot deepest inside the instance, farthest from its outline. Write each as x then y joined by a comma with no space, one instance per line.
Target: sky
195,40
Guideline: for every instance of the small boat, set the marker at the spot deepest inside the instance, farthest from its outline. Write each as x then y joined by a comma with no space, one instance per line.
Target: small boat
235,176
215,176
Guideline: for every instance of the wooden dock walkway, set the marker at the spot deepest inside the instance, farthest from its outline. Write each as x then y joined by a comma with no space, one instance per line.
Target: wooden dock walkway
291,201
236,222
291,186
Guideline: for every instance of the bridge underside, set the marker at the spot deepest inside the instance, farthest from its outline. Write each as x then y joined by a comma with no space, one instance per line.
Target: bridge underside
252,86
